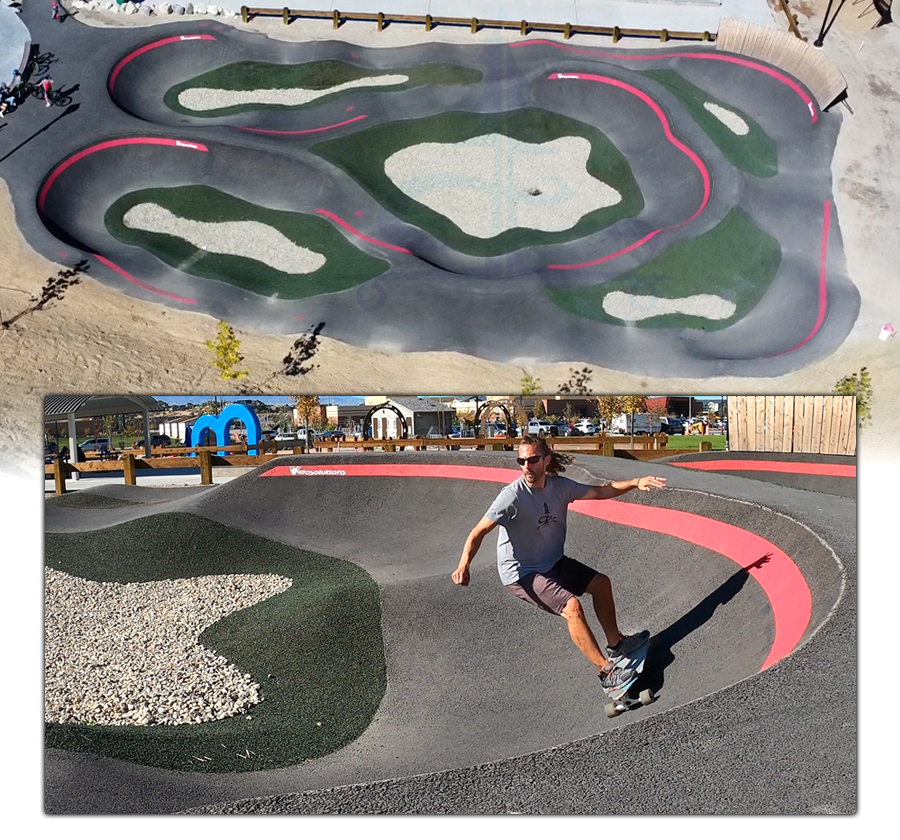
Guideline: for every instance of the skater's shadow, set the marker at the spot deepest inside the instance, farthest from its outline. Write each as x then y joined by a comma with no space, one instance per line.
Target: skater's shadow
660,655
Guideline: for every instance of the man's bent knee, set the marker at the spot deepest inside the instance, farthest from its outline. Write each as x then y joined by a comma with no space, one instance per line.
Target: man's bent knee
573,611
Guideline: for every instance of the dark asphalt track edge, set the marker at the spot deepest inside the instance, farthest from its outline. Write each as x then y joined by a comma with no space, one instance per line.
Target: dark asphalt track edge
779,742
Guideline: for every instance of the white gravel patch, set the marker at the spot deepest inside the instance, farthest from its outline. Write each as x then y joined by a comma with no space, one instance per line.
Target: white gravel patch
493,183
128,654
211,99
253,240
731,120
638,307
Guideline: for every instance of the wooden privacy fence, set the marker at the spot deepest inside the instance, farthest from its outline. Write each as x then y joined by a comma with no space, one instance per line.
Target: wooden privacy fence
380,19
797,57
824,425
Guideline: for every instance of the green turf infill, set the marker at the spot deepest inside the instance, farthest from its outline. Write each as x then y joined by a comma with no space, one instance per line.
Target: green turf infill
320,641
315,75
87,500
363,154
754,152
345,267
736,260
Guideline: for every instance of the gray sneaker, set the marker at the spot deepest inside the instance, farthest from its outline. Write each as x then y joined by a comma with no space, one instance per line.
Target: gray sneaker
613,677
627,645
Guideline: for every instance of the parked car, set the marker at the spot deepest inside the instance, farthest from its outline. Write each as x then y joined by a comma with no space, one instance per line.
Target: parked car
540,427
335,434
586,427
155,440
268,434
95,444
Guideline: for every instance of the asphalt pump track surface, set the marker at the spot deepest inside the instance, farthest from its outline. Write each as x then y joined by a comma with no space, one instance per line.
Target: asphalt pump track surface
748,589
692,178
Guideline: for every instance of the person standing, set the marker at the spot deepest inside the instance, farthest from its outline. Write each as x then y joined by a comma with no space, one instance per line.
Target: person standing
54,6
46,86
531,515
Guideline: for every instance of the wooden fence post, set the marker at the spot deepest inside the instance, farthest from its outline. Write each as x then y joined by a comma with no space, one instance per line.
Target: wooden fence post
567,32
205,459
59,476
286,13
336,18
245,14
130,469
524,28
428,23
617,33
474,25
609,449
380,21
664,35
705,445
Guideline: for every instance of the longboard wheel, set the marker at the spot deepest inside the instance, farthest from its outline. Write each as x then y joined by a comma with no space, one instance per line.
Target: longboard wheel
611,709
647,697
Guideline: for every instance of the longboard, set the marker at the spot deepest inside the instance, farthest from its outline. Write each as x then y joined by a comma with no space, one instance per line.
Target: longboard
621,701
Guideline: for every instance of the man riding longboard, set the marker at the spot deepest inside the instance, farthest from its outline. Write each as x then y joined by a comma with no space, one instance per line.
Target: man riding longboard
531,515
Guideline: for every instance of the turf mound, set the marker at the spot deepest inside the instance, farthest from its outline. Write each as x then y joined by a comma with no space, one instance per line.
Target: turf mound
316,649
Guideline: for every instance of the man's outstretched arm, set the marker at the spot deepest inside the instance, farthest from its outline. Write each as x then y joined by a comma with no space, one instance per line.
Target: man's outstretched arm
617,488
470,549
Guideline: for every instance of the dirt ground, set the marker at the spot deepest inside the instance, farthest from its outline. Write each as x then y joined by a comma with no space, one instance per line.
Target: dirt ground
98,341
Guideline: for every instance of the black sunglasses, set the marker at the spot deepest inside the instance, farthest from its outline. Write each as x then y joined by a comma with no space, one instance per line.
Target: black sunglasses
531,459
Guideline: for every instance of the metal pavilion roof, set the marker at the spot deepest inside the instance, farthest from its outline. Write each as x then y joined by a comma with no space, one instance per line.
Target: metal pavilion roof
61,407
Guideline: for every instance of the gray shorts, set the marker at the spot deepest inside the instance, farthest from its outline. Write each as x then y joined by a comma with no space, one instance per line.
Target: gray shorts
552,590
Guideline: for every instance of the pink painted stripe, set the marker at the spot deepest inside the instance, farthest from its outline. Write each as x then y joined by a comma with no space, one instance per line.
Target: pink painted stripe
823,280
132,279
111,144
779,577
690,153
146,48
731,59
304,131
338,220
841,470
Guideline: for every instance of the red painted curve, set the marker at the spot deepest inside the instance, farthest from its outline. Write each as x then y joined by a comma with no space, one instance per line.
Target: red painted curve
690,153
780,579
731,59
303,131
823,281
348,227
146,48
840,470
110,144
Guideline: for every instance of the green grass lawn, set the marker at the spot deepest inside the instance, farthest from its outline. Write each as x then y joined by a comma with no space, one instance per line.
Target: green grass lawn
754,152
736,260
362,155
320,641
314,75
346,266
693,442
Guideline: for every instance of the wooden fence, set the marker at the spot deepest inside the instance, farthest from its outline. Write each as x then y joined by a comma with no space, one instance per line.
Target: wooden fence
824,425
204,458
380,19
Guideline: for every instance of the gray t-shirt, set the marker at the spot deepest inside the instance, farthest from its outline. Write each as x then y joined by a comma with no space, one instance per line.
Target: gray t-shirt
532,533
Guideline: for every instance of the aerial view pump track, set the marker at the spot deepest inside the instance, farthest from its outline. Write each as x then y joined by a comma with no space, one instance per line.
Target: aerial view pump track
665,211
